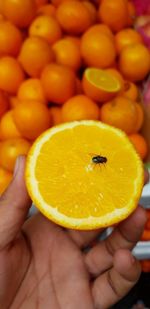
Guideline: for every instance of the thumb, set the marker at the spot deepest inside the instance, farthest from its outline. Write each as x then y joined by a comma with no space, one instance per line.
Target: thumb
14,205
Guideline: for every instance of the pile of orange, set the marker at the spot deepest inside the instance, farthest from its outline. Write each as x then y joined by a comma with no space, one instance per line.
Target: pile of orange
62,61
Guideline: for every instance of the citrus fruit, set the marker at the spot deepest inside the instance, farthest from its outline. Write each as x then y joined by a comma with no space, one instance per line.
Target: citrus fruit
40,3
140,144
47,9
35,54
114,14
31,118
92,10
131,13
74,17
134,62
97,49
100,85
80,107
5,179
56,116
31,89
103,29
10,150
67,53
131,90
8,127
10,39
70,187
59,83
46,27
19,12
4,103
121,113
140,117
11,74
79,88
116,74
127,37
13,101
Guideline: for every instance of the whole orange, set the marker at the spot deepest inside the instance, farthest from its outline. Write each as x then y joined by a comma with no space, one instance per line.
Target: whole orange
134,62
8,127
4,103
47,9
19,12
31,89
114,14
97,49
74,17
5,179
11,74
10,39
31,118
10,150
121,113
46,27
55,113
140,144
80,107
127,37
131,91
35,54
59,83
67,53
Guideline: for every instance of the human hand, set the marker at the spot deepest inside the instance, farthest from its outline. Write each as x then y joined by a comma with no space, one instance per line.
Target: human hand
44,266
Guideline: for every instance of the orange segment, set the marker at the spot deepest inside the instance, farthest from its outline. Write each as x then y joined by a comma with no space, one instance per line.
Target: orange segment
100,85
68,188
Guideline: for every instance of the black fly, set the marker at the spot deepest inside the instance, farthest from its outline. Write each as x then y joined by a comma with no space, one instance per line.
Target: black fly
97,159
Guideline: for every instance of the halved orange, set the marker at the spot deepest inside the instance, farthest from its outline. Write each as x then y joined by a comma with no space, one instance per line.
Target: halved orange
100,85
84,175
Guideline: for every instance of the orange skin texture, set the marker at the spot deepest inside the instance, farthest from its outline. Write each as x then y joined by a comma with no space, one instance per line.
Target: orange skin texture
10,39
10,150
11,74
31,89
140,144
59,83
35,54
19,12
4,103
5,179
127,37
8,127
31,118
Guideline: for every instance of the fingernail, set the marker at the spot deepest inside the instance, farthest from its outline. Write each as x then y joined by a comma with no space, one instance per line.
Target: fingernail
16,168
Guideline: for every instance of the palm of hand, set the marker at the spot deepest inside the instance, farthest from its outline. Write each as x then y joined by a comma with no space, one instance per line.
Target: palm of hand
44,265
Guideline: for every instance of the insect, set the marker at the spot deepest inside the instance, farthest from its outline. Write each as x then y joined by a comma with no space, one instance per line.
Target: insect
97,159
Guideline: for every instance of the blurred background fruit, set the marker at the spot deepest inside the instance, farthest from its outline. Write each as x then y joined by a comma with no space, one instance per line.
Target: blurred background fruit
66,60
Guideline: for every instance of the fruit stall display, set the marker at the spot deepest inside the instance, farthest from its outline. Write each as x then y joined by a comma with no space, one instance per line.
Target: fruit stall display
62,61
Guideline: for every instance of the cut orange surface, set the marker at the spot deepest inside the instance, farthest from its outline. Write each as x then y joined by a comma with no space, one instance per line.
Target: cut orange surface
100,85
70,187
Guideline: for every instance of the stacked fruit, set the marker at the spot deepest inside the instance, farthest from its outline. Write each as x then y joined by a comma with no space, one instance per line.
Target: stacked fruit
146,237
63,61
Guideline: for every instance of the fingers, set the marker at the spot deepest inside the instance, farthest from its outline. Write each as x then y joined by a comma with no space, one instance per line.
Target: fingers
14,205
82,238
125,235
114,284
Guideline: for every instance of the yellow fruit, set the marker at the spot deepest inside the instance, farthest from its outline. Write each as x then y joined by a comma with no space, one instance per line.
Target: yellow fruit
73,191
